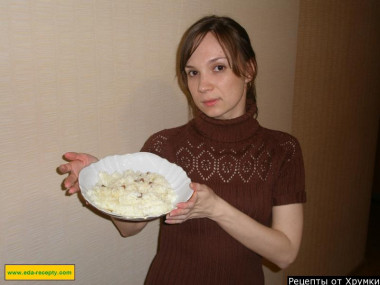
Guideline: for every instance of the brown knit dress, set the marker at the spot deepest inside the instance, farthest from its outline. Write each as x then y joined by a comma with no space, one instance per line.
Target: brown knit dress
251,167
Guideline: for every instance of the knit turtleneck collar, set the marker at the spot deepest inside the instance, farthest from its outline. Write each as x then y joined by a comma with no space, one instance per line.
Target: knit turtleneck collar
232,130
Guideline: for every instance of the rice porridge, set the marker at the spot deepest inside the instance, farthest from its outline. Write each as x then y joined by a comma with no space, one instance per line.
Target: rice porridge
133,194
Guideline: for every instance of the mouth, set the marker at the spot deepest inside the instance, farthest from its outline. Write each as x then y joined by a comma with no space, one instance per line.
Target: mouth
210,103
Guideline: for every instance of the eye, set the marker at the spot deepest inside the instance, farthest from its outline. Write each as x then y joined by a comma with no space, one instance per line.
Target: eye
219,67
191,73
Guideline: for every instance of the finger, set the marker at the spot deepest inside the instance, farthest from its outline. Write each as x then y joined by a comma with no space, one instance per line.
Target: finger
186,205
195,186
71,155
73,189
179,212
175,220
70,180
178,216
64,168
193,197
190,203
172,222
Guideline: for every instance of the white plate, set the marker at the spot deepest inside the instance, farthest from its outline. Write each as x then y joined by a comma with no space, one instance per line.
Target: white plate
140,161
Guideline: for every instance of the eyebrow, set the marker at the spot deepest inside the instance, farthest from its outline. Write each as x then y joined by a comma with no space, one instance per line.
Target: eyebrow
210,61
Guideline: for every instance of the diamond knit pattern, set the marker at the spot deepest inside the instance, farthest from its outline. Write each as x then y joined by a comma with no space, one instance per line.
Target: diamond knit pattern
250,167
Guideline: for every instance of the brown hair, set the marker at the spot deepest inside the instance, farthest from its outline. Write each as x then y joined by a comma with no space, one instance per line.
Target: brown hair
235,43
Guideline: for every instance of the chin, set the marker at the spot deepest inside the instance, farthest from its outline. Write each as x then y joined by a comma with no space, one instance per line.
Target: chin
212,113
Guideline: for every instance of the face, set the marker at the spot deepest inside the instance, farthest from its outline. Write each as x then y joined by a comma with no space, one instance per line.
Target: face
216,90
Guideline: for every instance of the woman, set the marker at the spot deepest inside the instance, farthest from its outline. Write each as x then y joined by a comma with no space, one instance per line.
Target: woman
248,181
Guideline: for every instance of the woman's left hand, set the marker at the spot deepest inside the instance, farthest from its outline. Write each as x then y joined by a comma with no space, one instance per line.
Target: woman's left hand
201,205
279,243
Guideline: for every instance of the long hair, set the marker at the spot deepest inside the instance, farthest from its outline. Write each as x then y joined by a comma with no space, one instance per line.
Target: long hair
235,43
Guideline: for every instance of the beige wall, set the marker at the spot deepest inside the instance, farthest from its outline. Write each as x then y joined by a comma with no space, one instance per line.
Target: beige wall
336,116
98,76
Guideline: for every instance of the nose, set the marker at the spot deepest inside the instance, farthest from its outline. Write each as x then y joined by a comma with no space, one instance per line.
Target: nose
204,84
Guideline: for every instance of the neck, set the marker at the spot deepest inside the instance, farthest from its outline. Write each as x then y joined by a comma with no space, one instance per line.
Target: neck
232,130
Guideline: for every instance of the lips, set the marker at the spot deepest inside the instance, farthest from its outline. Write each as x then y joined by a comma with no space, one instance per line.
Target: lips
210,103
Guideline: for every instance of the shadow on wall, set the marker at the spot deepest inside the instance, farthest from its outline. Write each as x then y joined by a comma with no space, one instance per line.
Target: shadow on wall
80,197
376,172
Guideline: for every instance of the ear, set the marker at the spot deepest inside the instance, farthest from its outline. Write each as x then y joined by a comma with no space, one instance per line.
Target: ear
251,71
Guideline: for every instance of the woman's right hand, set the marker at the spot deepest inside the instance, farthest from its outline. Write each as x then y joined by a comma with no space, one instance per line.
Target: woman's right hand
76,162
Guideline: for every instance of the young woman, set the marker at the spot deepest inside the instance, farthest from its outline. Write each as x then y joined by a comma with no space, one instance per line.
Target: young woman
248,181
